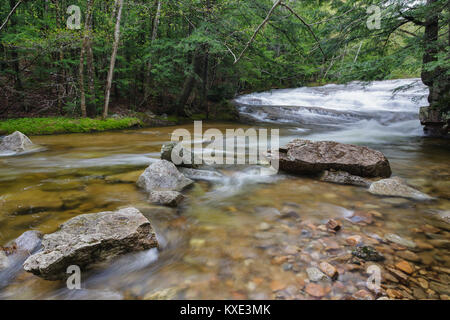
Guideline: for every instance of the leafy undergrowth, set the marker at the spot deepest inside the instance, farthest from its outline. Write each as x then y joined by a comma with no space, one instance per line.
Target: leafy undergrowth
45,126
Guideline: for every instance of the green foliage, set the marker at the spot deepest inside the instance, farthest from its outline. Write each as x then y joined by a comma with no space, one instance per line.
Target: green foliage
151,73
44,126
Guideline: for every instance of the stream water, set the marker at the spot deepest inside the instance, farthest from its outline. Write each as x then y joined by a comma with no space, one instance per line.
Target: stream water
245,237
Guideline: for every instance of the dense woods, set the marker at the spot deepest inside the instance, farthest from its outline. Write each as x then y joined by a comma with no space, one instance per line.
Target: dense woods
188,57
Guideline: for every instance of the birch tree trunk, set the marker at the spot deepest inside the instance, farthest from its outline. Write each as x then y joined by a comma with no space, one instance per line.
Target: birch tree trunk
119,5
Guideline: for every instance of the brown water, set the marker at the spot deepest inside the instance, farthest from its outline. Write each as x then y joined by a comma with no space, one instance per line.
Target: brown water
230,240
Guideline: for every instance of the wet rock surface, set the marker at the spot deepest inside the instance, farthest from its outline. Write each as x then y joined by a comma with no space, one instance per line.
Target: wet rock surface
367,253
163,176
342,177
16,143
307,157
91,238
166,198
397,187
184,157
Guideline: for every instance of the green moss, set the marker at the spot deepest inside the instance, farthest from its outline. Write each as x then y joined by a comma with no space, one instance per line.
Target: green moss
45,126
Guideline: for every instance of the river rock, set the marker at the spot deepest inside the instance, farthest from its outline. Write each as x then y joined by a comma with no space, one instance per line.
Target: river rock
163,176
192,161
315,274
342,177
166,198
396,187
91,238
399,240
205,175
367,253
329,270
307,157
16,143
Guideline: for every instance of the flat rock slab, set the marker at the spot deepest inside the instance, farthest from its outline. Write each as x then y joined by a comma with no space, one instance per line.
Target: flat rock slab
342,177
163,176
90,238
308,157
397,187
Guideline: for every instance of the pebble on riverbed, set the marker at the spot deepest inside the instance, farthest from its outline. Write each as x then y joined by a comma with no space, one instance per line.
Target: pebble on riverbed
368,253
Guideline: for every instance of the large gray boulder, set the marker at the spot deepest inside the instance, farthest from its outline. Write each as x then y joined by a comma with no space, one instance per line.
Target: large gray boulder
308,157
163,176
16,143
90,238
397,187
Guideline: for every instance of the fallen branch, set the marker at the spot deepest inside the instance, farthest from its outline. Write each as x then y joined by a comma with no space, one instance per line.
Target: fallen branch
10,14
269,14
307,25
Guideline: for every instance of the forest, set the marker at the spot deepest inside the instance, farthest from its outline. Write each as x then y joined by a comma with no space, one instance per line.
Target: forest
91,58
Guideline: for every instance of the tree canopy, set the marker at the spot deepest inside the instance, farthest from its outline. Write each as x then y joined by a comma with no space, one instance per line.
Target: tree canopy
181,56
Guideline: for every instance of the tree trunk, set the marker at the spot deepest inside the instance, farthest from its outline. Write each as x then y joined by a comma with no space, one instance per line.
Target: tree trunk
118,7
91,107
154,36
84,46
14,53
435,118
189,84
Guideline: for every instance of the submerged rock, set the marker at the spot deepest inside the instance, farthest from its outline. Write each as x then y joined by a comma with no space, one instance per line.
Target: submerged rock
307,157
397,187
342,177
367,253
315,274
205,175
166,198
163,176
91,238
16,143
400,241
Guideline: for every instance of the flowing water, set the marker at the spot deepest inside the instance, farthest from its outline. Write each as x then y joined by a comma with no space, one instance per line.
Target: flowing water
245,236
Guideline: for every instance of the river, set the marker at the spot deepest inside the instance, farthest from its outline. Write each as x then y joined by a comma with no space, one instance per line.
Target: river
247,236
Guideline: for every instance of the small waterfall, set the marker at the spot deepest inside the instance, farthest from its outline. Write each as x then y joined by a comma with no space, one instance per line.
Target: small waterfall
356,112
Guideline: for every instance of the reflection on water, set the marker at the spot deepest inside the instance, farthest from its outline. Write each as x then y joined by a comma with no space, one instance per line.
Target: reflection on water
244,236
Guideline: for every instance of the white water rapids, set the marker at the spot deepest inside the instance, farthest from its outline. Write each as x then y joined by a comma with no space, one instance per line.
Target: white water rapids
375,112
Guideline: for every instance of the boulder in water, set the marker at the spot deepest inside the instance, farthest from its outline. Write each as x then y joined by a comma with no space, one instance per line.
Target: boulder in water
16,143
168,149
90,238
166,198
308,157
397,187
342,177
163,176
